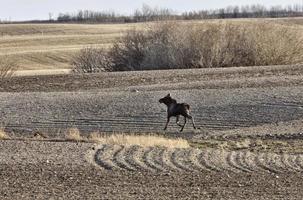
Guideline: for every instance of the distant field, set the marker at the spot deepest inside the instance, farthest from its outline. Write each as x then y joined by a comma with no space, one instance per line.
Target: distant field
51,46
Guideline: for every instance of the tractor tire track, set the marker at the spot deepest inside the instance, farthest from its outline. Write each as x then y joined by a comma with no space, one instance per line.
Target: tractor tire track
161,159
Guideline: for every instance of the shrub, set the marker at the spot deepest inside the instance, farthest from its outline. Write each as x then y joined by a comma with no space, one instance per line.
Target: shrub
167,45
91,60
160,46
7,67
171,45
128,52
277,45
223,45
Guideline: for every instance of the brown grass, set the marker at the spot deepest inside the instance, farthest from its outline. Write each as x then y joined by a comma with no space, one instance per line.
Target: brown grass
7,67
140,140
73,134
3,135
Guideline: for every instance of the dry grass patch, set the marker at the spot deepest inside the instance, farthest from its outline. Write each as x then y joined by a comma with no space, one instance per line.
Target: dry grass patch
3,135
73,134
141,140
7,67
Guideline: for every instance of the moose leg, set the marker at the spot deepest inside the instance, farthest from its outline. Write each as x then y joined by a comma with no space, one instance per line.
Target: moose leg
192,120
183,125
177,121
166,123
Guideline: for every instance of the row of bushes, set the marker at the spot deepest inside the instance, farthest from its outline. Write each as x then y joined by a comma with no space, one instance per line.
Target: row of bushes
168,45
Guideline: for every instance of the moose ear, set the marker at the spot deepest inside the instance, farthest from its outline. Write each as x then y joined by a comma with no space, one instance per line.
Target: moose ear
168,95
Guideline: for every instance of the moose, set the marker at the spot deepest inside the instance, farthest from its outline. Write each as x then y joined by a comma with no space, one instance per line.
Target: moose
175,109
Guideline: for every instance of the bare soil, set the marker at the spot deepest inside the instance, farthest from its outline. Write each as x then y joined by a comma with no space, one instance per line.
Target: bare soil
248,145
214,78
43,170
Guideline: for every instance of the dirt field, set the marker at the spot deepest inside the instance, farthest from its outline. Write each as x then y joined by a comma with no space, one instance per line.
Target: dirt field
249,144
43,170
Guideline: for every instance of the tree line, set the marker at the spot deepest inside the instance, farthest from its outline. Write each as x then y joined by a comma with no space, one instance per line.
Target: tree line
148,13
248,11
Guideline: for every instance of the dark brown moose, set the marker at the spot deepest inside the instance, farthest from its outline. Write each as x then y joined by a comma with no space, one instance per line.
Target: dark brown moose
175,109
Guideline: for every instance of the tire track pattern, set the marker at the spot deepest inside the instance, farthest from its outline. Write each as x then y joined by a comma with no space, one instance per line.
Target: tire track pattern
161,159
